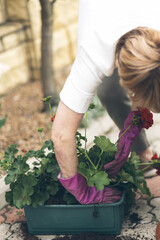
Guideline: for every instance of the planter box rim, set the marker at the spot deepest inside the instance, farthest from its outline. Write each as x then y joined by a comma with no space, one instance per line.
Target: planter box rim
81,205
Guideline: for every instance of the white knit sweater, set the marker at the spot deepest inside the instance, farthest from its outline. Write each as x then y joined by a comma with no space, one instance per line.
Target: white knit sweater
101,23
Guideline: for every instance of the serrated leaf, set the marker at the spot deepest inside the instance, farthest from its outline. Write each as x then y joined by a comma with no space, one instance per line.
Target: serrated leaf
105,144
39,198
9,179
22,190
51,155
139,179
49,145
52,189
55,172
126,176
100,180
143,188
45,161
10,153
20,165
9,197
83,170
135,158
94,154
21,197
36,154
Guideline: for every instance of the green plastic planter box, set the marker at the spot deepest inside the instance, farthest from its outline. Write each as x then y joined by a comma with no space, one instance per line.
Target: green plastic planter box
75,219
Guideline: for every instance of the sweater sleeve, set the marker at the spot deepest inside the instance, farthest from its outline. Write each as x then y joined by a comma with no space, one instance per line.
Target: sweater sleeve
81,83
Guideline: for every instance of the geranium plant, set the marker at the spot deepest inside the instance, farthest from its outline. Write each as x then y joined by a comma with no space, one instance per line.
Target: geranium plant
37,185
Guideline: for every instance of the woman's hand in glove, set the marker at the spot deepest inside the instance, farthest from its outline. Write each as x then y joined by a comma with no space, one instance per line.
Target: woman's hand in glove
77,186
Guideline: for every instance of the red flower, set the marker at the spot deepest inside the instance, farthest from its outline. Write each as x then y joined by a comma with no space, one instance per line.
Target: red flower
143,119
24,150
146,118
155,156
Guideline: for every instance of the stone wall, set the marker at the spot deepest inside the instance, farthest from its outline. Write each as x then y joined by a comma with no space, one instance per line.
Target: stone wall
64,35
20,39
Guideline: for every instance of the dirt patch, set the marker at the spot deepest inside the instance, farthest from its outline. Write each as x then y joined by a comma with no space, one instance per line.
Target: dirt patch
23,106
87,236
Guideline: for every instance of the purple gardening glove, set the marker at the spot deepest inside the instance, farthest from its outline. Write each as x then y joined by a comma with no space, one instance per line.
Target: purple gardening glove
77,186
123,146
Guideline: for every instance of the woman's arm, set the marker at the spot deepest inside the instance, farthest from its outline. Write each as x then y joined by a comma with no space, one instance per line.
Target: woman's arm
64,130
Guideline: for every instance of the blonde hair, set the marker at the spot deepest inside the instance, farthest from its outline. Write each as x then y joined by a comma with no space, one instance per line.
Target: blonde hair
138,56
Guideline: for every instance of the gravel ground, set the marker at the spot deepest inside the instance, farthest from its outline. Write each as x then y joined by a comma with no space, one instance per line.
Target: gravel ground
23,107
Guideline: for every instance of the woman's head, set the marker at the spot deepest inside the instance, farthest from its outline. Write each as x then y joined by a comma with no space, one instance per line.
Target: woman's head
138,57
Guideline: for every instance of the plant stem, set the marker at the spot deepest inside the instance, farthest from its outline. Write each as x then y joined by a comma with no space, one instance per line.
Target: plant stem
50,108
86,155
147,163
90,161
85,149
144,169
41,138
85,129
116,183
99,159
124,133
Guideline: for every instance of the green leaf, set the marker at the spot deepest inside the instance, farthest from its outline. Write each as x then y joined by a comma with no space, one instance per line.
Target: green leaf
143,188
3,121
22,190
36,163
39,198
69,199
9,197
51,155
100,180
126,176
55,172
36,154
107,157
48,144
105,144
10,153
53,188
20,196
47,99
9,179
45,161
135,159
94,153
91,106
40,130
79,137
85,171
20,165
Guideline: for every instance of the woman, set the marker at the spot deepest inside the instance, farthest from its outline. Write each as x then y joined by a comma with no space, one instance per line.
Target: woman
110,34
